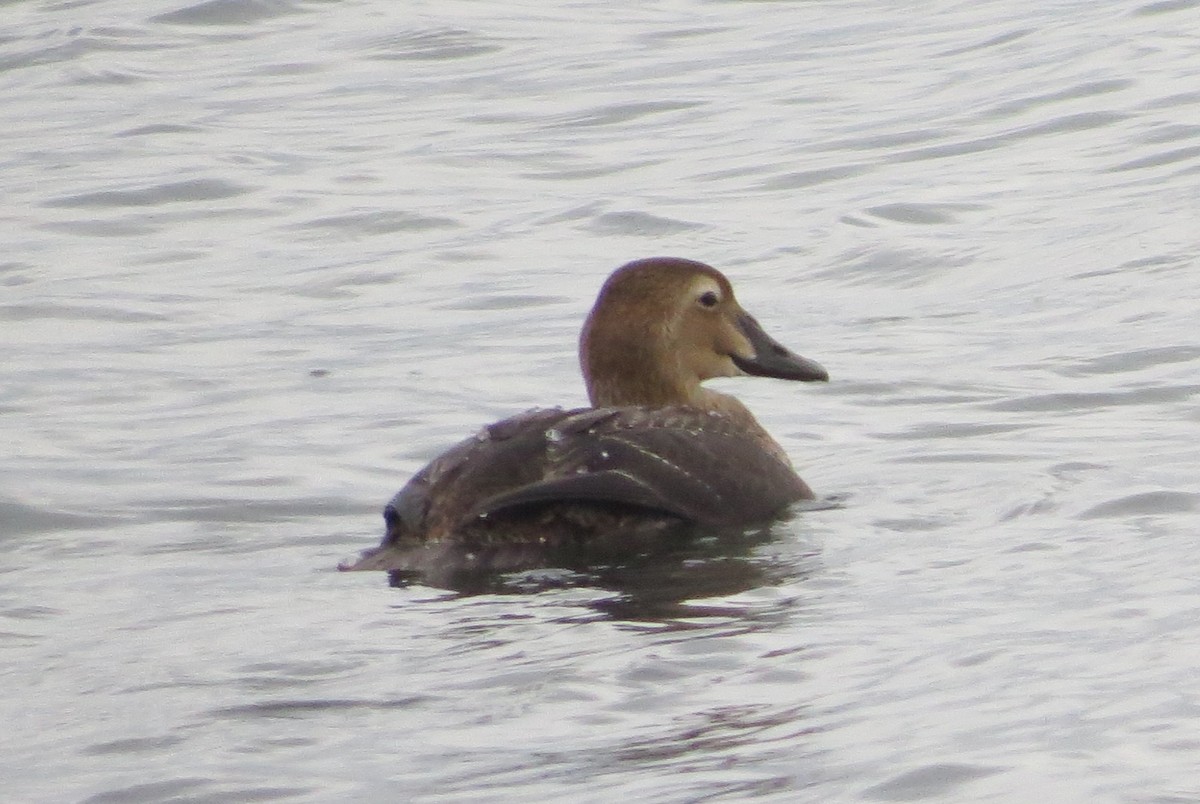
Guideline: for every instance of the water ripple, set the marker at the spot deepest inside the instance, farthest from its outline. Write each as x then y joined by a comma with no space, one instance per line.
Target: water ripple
438,44
930,782
1145,503
188,191
231,12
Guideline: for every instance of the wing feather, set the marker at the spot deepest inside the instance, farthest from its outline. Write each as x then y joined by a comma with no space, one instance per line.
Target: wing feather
691,464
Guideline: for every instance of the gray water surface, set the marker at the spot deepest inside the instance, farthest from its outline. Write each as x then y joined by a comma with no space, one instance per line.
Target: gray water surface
262,260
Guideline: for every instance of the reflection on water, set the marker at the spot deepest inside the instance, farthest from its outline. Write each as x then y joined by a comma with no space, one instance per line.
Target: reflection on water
684,580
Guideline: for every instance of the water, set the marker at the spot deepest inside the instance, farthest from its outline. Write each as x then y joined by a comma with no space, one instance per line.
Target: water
263,259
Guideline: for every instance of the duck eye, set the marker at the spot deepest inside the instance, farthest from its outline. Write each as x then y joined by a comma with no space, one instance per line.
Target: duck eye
708,299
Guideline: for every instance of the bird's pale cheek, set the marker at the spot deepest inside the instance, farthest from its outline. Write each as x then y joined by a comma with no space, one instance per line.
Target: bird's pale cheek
730,368
733,343
720,365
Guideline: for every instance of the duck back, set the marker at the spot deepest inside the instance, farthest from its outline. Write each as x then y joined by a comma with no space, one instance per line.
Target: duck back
507,481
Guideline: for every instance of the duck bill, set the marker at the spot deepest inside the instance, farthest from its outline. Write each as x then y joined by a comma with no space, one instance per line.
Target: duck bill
773,359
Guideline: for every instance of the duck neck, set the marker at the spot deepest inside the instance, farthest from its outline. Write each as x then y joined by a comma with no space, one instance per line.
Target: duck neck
733,408
641,391
647,383
634,382
636,376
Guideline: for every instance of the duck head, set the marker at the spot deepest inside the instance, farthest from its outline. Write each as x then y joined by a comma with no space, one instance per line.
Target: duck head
662,326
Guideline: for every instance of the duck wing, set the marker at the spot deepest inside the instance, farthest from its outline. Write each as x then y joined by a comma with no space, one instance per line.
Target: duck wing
700,466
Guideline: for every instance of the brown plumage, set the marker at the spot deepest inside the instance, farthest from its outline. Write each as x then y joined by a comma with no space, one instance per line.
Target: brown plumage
657,454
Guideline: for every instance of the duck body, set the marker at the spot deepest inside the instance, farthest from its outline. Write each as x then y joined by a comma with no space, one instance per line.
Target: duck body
657,456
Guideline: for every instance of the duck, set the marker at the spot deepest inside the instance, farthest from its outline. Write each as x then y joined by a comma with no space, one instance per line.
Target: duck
657,455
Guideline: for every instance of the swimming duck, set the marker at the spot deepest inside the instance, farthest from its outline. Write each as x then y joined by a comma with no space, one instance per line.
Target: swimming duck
656,454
